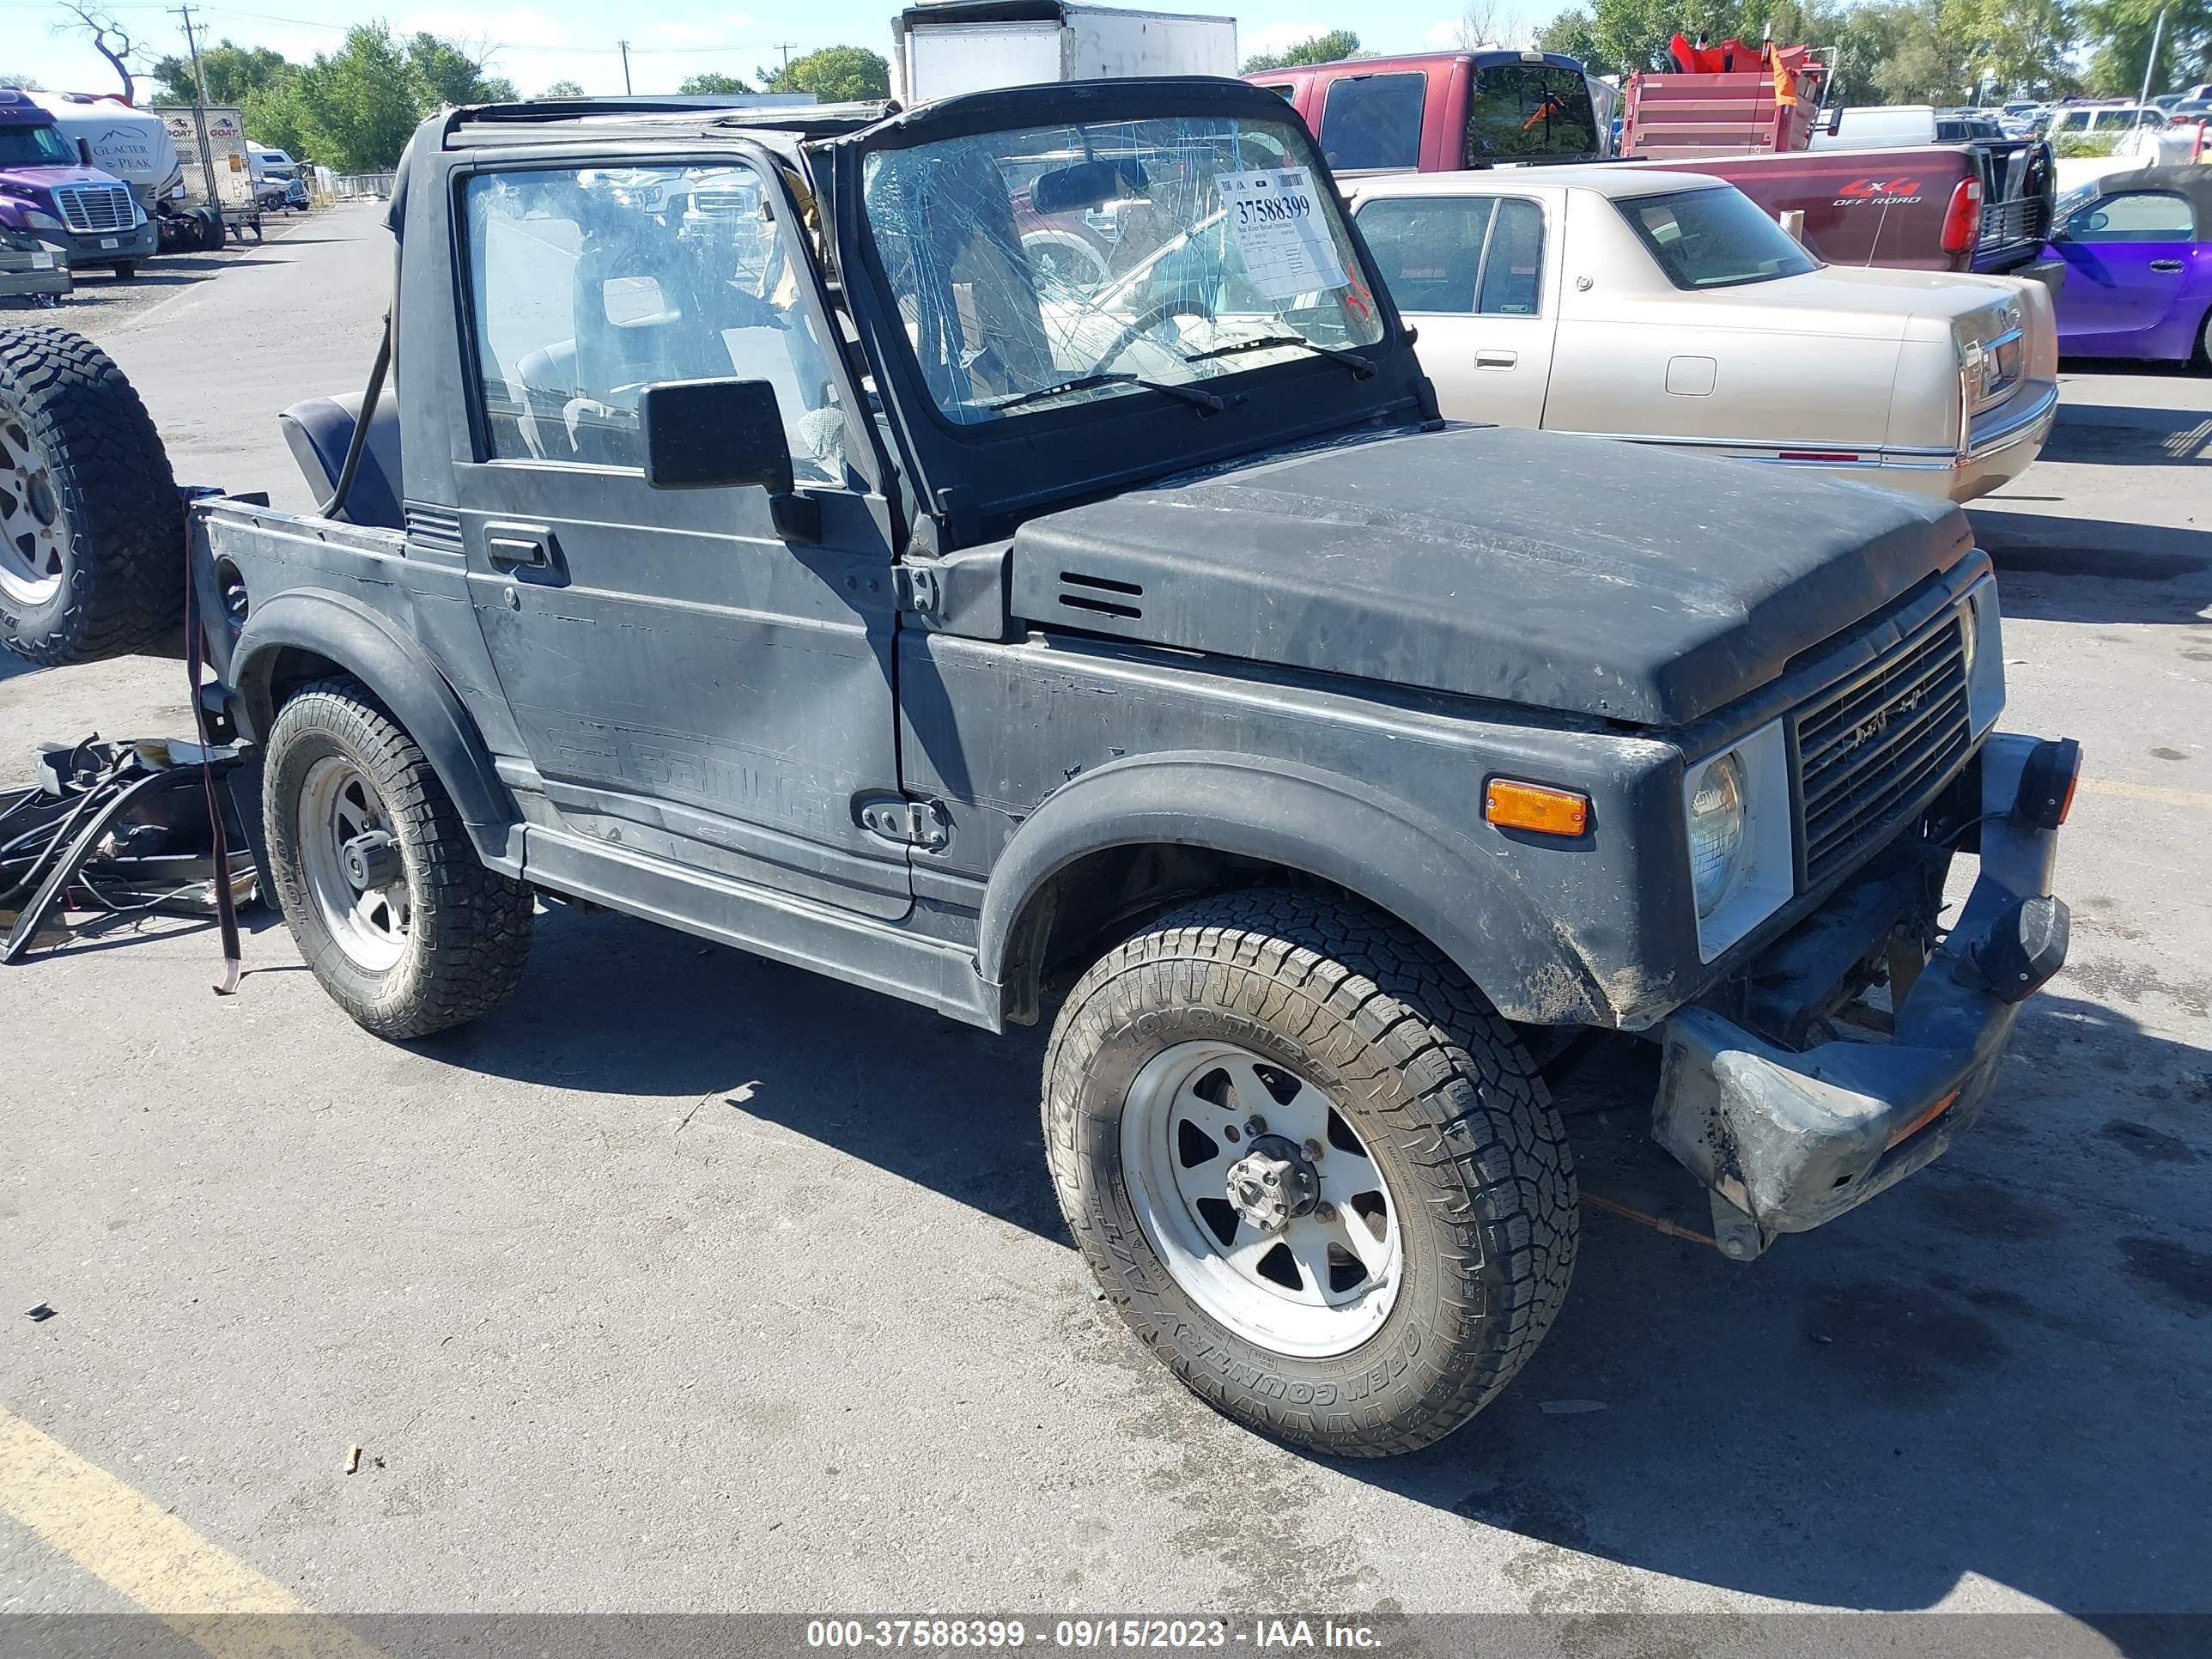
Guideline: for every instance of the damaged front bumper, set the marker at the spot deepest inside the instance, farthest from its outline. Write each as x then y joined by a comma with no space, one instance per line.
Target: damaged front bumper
1786,1138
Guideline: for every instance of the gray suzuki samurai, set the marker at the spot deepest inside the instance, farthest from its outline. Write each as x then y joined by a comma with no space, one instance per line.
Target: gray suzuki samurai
766,534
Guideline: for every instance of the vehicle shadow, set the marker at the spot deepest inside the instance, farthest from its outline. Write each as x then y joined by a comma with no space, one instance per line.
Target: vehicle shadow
1981,1376
2055,569
2133,435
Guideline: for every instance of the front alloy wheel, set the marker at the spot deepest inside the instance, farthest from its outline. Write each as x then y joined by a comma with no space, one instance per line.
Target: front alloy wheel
1262,1201
1311,1168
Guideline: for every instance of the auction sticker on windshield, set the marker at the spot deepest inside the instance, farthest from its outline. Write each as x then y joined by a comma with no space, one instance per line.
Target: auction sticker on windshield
1275,215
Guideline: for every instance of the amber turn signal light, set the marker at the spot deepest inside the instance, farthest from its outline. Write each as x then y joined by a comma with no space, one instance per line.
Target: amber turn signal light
1534,807
2047,783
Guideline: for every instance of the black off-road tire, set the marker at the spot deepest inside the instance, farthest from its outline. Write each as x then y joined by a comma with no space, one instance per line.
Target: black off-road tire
110,493
1435,1084
470,926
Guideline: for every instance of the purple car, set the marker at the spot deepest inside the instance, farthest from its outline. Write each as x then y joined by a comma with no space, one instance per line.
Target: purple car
2138,253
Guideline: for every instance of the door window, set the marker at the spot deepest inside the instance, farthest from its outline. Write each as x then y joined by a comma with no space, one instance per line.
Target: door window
2150,215
589,284
1513,269
1429,248
1470,254
1373,121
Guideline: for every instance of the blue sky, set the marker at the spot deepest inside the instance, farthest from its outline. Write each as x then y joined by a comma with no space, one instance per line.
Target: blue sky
540,42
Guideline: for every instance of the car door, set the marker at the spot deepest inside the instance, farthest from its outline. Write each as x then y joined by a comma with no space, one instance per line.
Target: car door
2127,264
697,678
1474,273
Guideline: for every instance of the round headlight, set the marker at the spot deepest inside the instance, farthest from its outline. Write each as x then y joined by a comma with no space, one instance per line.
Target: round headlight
1715,831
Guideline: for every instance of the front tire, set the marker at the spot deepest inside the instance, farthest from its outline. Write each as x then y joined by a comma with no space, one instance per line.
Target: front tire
397,915
1367,1267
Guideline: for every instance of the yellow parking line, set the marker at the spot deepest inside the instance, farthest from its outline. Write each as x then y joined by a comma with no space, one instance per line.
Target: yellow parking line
2155,792
131,1545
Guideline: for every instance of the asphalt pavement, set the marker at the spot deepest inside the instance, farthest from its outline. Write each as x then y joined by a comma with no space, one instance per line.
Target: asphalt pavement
685,1282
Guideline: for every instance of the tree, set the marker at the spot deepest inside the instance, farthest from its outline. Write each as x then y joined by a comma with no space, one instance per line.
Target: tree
1485,23
1336,45
452,75
1901,50
563,89
229,73
21,83
836,75
274,115
713,83
2121,32
107,38
1575,33
362,102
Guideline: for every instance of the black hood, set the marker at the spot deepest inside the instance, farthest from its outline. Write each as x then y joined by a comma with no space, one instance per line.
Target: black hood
1580,574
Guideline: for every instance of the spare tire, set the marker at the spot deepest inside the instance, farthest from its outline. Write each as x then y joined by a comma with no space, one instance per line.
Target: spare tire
92,554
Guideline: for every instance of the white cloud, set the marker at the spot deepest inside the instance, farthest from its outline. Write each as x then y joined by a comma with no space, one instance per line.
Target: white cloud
725,28
516,25
1276,37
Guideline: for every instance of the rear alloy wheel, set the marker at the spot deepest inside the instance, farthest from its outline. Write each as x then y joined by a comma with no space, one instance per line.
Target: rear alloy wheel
395,912
1311,1168
351,859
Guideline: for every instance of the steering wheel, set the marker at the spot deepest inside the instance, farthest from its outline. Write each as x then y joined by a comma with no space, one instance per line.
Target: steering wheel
1149,316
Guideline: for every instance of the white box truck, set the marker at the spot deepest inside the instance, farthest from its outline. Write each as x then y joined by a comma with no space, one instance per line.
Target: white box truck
950,46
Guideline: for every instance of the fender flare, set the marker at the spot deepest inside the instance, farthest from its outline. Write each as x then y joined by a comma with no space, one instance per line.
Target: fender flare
1439,883
405,680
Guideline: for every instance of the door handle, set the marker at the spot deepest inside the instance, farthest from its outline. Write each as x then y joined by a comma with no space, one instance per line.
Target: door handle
1496,359
513,546
2165,265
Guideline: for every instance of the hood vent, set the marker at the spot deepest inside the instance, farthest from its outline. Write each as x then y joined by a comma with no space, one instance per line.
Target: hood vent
1100,596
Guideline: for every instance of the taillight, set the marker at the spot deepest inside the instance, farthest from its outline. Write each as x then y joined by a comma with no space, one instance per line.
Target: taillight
1962,220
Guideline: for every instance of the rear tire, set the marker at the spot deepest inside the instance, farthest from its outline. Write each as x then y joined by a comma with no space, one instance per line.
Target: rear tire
91,550
396,914
1437,1138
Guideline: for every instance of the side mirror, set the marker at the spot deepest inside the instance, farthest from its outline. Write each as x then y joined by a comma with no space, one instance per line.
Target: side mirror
83,153
723,435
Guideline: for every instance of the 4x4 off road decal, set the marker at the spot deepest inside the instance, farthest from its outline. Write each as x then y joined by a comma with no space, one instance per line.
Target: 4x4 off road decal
1881,193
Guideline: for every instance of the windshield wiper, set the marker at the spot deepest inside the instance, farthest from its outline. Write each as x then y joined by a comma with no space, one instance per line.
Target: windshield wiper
1360,367
1194,396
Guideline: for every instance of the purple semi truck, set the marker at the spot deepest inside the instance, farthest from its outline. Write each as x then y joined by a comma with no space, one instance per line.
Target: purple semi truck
47,194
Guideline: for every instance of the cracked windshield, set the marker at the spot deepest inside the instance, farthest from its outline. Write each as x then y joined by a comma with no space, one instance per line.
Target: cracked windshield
1052,265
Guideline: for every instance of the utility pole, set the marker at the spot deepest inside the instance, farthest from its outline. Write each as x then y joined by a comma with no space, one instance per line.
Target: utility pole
785,47
624,44
2157,35
199,110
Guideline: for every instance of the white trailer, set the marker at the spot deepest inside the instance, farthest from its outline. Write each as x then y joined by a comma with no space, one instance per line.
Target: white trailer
218,174
950,46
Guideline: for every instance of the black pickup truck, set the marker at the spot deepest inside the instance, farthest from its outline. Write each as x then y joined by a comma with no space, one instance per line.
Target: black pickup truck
754,542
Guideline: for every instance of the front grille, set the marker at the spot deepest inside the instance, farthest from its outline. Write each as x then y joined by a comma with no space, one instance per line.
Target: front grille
1873,749
94,210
